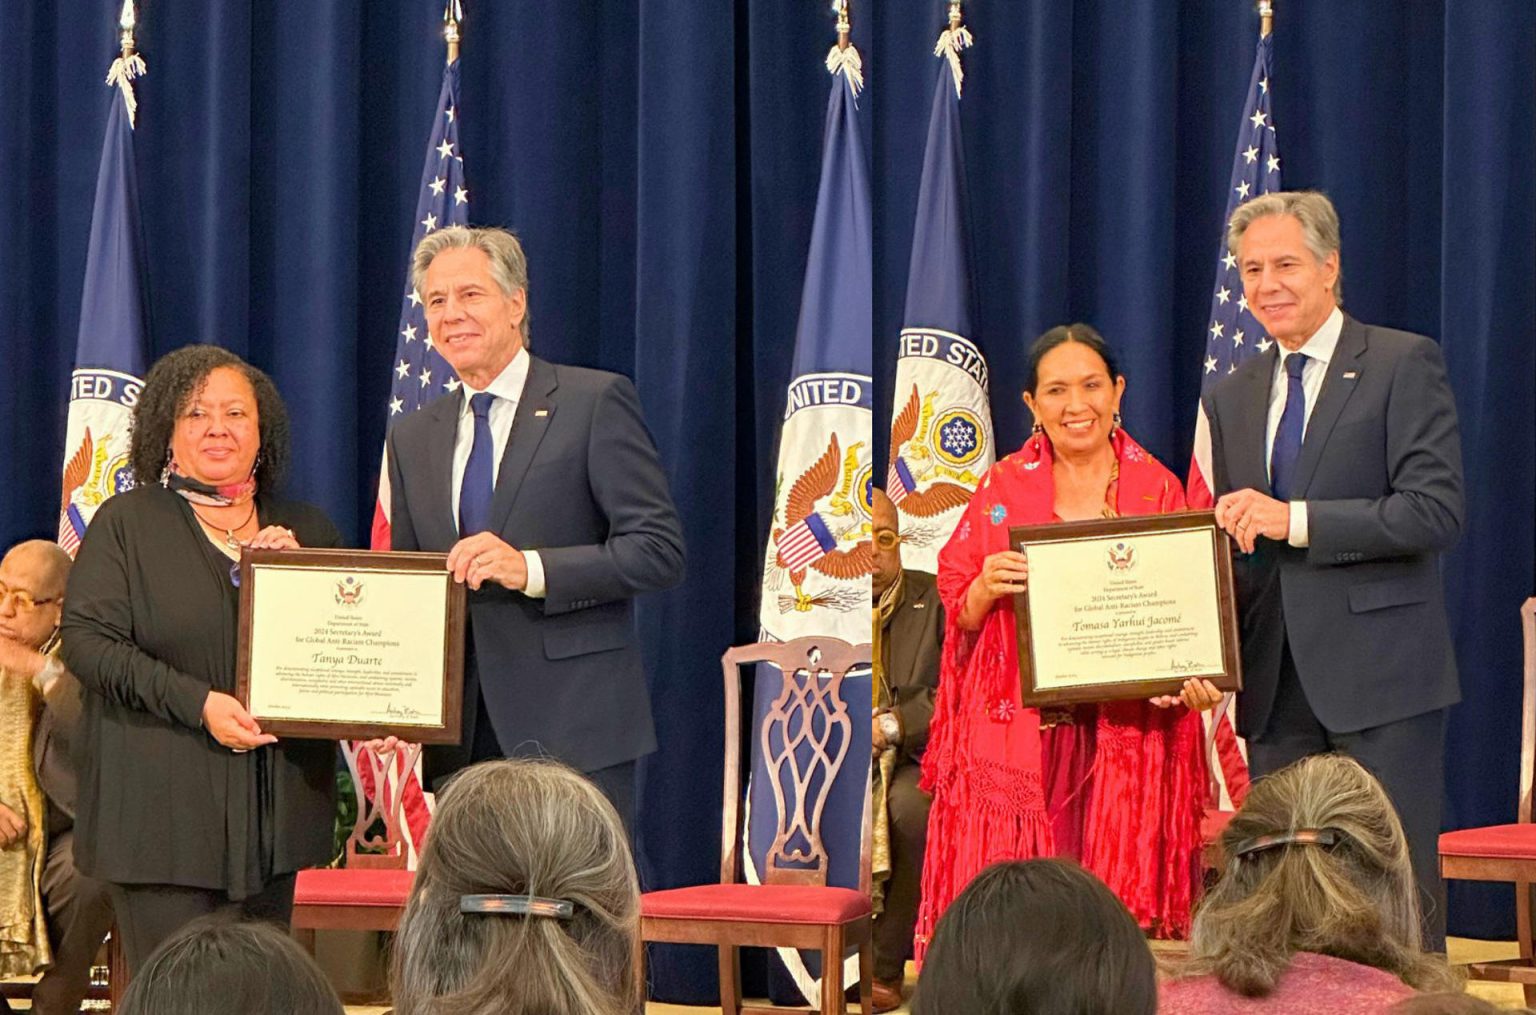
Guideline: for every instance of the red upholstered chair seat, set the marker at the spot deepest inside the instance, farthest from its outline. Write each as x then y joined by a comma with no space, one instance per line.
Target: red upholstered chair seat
352,887
789,904
1507,841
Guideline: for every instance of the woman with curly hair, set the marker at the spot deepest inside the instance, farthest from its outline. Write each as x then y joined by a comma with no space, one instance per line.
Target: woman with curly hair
1317,910
185,806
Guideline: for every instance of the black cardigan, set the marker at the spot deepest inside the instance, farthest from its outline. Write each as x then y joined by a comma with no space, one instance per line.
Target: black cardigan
150,626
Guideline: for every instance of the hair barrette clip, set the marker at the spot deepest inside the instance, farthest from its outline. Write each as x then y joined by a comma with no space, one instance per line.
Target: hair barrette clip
517,905
1296,837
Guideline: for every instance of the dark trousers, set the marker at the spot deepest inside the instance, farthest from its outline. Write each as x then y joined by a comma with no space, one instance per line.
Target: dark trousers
148,914
909,835
1407,756
79,916
617,782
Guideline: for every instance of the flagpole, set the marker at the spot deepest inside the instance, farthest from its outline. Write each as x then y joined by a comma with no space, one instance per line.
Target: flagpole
126,22
1266,18
954,14
453,13
844,28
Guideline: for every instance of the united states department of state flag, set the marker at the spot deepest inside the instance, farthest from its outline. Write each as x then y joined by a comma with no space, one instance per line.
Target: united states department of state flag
820,549
1233,336
111,350
941,423
420,375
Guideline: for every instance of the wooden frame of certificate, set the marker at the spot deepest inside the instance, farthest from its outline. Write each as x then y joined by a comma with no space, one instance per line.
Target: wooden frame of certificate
345,644
1125,608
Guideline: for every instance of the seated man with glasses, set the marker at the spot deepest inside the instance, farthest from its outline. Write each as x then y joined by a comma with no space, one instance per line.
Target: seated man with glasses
49,912
909,636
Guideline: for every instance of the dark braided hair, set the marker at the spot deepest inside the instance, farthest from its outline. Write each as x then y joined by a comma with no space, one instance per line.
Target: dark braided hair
173,382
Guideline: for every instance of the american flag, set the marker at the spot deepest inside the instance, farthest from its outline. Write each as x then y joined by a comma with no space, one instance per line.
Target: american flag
420,375
1233,336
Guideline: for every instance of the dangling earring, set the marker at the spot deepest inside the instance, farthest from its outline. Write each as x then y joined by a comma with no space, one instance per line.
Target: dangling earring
1115,423
1038,428
165,470
256,464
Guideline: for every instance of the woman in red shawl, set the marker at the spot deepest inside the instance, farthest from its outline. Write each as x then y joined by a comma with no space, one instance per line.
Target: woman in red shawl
1119,786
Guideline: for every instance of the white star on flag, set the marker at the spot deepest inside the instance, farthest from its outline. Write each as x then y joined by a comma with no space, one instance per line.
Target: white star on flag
445,149
1251,154
1257,119
1223,294
403,369
409,334
438,184
396,406
1216,328
426,378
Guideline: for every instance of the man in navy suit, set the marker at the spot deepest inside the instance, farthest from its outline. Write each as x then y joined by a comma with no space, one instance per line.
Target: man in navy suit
544,487
1337,468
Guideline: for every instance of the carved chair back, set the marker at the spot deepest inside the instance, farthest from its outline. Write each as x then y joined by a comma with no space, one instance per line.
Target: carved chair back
802,743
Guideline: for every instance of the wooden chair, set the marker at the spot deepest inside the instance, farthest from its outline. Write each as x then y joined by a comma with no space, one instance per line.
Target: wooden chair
369,891
1507,852
793,907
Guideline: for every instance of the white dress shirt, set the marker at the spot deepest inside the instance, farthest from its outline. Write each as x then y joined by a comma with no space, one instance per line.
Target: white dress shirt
1319,350
508,389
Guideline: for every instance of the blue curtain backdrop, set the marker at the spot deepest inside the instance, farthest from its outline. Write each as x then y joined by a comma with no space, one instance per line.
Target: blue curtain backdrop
1098,142
660,164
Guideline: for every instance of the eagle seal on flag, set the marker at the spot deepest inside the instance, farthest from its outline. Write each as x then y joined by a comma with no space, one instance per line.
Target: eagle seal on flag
827,507
932,458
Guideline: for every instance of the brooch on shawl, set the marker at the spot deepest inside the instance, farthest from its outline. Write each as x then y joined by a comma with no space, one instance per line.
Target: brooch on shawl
997,514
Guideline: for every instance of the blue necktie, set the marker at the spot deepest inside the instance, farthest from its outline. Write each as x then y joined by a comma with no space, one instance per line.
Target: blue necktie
477,486
1287,450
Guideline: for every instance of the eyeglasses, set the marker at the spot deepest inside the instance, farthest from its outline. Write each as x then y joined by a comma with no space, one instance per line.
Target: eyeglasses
885,539
25,601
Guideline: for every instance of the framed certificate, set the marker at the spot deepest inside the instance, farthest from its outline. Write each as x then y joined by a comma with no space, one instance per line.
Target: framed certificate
347,644
1125,608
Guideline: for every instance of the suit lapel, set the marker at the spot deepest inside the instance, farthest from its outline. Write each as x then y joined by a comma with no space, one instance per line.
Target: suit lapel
1331,400
535,411
442,434
1248,451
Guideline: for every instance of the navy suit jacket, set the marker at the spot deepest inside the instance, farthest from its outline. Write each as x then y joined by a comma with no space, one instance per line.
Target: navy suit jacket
1362,606
580,481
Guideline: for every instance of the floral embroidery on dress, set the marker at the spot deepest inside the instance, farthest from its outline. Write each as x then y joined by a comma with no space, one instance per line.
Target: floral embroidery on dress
1002,710
997,514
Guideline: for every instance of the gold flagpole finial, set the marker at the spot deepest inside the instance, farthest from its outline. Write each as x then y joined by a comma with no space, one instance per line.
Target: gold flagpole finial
954,14
1266,18
126,21
844,28
453,13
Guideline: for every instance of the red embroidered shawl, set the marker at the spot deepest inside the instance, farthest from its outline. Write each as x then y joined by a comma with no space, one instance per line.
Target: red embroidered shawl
985,764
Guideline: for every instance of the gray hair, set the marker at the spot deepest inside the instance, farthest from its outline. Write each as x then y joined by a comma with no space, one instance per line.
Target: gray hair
509,265
1355,900
1319,224
521,827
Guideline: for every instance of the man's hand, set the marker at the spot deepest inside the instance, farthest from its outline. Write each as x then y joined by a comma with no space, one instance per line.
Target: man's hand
231,725
13,827
1196,695
274,537
384,747
19,659
877,739
1248,514
483,557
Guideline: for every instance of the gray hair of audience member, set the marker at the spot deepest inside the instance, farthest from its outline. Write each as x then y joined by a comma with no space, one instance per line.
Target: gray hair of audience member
217,964
1319,225
509,265
521,827
1355,900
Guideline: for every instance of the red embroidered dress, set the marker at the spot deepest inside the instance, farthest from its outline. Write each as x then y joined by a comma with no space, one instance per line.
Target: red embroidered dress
1121,788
